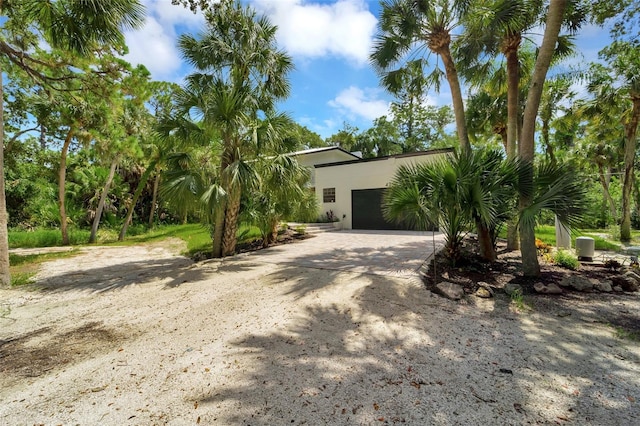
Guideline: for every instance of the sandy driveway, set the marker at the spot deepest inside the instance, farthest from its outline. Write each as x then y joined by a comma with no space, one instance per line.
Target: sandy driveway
141,336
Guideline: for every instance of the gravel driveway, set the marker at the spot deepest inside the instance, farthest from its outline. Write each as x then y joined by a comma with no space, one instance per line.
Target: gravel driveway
327,331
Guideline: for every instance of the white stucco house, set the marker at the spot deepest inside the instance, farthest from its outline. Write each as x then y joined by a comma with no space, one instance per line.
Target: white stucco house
352,187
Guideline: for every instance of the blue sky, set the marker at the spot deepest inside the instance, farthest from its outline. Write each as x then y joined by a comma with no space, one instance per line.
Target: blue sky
329,40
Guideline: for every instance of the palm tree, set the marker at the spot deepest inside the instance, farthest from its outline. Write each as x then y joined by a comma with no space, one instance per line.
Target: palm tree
73,26
241,73
526,147
620,85
480,188
406,27
470,188
281,194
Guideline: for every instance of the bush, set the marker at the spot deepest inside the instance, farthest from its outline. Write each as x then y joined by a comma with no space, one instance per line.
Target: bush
567,260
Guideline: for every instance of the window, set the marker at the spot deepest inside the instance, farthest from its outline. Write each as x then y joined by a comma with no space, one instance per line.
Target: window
328,195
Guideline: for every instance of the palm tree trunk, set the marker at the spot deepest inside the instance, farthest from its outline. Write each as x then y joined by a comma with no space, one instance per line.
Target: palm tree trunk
5,275
274,231
513,107
229,238
103,198
62,177
156,184
629,157
143,182
607,194
218,232
456,96
513,101
487,250
526,147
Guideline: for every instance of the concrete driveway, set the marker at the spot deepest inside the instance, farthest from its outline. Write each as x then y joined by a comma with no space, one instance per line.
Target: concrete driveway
393,253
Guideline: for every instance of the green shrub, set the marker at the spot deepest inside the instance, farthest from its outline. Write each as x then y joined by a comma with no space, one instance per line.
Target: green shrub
567,260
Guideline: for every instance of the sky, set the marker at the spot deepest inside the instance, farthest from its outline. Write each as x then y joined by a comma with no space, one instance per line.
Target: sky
329,41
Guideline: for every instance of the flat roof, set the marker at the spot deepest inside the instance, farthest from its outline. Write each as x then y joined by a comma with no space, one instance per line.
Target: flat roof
324,149
388,157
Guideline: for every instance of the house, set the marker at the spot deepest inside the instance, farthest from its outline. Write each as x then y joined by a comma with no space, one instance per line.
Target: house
352,187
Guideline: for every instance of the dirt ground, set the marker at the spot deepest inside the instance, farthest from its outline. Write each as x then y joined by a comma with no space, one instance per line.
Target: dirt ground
142,336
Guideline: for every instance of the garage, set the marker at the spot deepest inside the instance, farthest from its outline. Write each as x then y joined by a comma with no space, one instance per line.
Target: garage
352,190
366,205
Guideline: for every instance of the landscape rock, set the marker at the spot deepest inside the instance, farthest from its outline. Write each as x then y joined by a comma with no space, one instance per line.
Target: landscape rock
626,281
577,283
510,289
633,271
552,288
618,289
487,287
450,290
604,286
483,293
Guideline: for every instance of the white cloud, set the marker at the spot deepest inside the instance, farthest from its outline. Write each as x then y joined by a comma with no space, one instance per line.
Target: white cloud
154,45
344,29
169,14
356,102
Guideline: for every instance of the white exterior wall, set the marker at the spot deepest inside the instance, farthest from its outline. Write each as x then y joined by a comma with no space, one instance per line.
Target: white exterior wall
322,157
362,175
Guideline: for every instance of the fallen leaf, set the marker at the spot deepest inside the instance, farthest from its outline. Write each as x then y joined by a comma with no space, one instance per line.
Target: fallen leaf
381,419
631,399
415,385
198,420
376,406
195,405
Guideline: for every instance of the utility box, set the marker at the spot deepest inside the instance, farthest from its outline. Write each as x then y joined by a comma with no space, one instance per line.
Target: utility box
585,248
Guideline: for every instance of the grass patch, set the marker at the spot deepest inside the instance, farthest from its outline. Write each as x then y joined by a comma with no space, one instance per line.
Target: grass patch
195,235
22,278
623,334
547,234
517,299
24,267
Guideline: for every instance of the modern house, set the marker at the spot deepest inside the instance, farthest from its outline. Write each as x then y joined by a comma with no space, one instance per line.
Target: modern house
352,187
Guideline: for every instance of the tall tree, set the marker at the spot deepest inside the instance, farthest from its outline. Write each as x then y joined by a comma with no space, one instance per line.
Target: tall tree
74,26
407,26
526,148
244,73
623,86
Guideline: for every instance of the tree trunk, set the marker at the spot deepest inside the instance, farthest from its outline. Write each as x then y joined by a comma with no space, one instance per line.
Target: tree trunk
143,182
513,101
156,184
526,147
513,242
485,240
629,157
62,177
456,96
5,275
274,231
218,232
607,194
103,198
513,120
229,238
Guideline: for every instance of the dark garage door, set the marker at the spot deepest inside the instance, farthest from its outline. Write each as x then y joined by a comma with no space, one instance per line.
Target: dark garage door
366,208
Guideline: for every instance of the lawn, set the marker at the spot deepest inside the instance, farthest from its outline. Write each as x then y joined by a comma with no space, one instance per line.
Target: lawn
24,266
